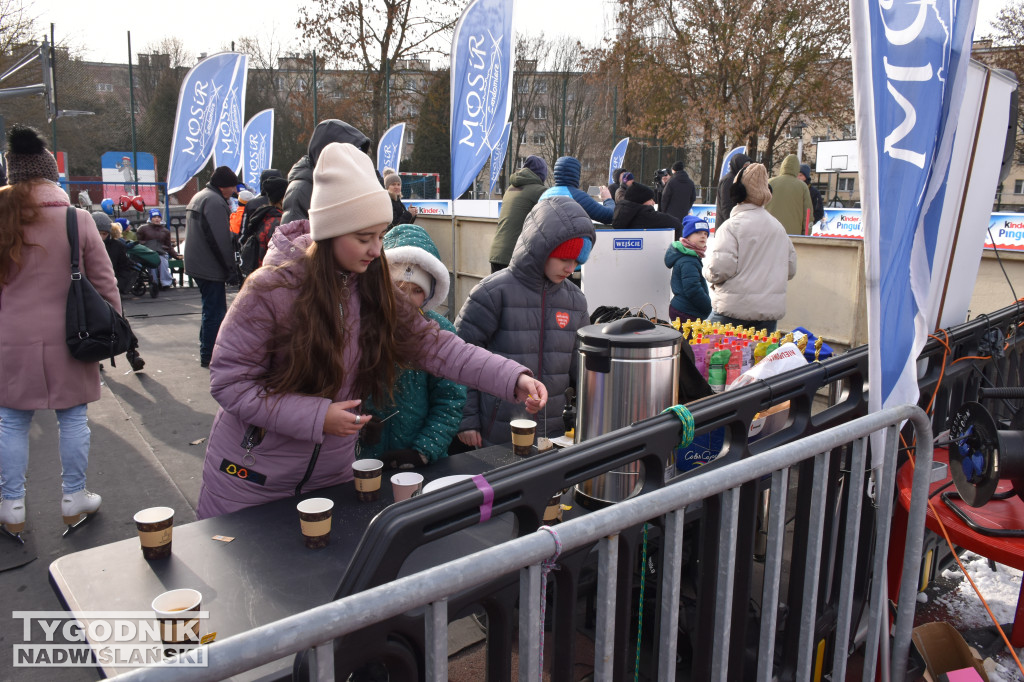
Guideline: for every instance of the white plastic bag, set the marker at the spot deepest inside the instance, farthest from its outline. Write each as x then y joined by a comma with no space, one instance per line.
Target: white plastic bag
782,359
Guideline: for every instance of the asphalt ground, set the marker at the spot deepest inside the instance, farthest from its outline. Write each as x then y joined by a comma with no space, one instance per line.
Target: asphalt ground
149,431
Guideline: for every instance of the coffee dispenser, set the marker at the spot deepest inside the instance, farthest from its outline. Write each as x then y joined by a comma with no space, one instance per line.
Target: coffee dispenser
628,370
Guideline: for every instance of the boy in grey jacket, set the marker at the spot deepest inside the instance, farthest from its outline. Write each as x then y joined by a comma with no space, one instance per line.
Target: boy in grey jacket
530,314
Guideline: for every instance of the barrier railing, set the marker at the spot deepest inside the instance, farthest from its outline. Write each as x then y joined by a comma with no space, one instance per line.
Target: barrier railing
530,555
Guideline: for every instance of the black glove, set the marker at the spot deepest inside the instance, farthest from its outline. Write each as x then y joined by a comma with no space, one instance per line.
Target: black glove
370,434
406,458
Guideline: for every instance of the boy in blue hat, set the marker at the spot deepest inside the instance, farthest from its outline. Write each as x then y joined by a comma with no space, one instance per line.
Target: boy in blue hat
690,297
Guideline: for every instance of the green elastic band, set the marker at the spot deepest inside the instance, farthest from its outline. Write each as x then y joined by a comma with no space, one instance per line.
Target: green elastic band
687,419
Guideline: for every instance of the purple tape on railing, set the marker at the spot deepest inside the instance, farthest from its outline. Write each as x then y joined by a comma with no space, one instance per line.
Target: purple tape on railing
484,487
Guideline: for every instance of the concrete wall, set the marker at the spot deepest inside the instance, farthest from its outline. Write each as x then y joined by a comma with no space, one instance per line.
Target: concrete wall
827,296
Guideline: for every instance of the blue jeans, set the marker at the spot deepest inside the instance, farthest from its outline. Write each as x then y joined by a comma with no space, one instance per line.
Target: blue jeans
73,437
215,306
767,325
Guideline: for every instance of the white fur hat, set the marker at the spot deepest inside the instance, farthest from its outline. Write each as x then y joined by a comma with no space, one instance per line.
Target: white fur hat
346,195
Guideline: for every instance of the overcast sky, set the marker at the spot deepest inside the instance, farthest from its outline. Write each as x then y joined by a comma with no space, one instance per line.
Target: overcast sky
103,34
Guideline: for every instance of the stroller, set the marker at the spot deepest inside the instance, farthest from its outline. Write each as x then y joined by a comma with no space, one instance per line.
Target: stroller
145,261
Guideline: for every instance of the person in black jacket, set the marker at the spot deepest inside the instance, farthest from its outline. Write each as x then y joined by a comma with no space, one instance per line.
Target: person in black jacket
724,201
124,271
816,201
660,178
636,210
400,214
614,185
679,194
261,200
300,177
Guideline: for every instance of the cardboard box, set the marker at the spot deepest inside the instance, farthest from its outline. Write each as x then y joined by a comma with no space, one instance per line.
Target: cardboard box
944,650
768,422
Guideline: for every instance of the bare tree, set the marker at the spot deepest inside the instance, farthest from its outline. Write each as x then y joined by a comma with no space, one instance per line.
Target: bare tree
572,97
374,36
17,23
527,88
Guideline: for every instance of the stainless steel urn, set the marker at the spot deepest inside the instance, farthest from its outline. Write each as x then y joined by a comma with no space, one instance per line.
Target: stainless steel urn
628,371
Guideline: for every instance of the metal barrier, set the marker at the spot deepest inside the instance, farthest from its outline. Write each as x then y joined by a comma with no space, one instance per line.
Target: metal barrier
818,585
668,505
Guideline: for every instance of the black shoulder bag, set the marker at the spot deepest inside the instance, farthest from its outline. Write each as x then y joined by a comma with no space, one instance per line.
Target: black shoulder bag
95,330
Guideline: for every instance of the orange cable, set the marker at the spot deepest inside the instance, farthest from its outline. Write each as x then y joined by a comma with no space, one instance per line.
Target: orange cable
949,542
972,357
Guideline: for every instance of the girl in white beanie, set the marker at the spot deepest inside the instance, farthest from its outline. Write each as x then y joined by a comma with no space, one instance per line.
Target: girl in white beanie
312,335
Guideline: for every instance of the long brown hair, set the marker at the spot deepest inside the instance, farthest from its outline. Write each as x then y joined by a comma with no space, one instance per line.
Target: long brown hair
16,210
313,345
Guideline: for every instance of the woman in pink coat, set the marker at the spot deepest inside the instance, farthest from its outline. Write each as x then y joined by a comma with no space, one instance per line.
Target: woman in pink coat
37,371
314,331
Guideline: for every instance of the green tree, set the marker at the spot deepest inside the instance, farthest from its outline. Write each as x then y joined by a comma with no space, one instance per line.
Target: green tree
432,151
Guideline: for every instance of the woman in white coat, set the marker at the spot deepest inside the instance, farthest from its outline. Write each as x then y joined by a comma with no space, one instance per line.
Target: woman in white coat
751,259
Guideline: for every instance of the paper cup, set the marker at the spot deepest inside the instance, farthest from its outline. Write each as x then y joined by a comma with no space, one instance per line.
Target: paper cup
523,433
406,484
367,474
155,525
315,520
553,511
178,614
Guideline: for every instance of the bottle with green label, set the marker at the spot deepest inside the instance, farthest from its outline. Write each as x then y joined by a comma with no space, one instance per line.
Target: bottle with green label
717,370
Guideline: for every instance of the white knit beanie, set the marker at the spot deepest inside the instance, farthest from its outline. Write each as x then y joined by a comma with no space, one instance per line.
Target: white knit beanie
410,272
346,195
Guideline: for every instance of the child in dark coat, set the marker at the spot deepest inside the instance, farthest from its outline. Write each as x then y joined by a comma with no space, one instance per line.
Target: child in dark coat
529,313
690,297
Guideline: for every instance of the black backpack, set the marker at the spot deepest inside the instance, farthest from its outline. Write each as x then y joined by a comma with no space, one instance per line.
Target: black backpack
250,239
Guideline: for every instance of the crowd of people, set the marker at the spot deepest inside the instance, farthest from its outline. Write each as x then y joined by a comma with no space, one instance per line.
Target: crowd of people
333,350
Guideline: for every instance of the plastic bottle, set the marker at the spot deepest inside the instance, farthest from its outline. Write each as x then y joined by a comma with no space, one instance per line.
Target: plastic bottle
717,370
699,348
734,367
747,358
760,350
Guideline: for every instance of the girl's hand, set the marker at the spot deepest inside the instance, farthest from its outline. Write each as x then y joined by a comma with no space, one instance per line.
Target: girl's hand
471,438
533,392
341,422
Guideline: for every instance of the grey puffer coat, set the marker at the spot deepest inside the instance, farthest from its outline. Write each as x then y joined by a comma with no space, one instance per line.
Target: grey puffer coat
521,314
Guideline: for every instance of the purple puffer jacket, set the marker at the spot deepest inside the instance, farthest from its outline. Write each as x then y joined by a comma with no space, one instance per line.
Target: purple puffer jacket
294,423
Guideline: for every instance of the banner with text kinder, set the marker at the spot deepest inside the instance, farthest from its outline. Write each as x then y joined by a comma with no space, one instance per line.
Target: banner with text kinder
481,88
200,104
909,72
389,150
258,143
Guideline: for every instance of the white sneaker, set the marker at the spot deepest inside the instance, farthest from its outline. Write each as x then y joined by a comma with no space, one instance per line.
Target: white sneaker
12,515
74,505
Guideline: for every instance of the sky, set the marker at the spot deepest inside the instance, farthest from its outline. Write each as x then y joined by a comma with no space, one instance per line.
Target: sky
104,38
103,35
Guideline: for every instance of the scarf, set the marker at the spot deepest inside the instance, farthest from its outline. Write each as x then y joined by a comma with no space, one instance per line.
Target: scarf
690,245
